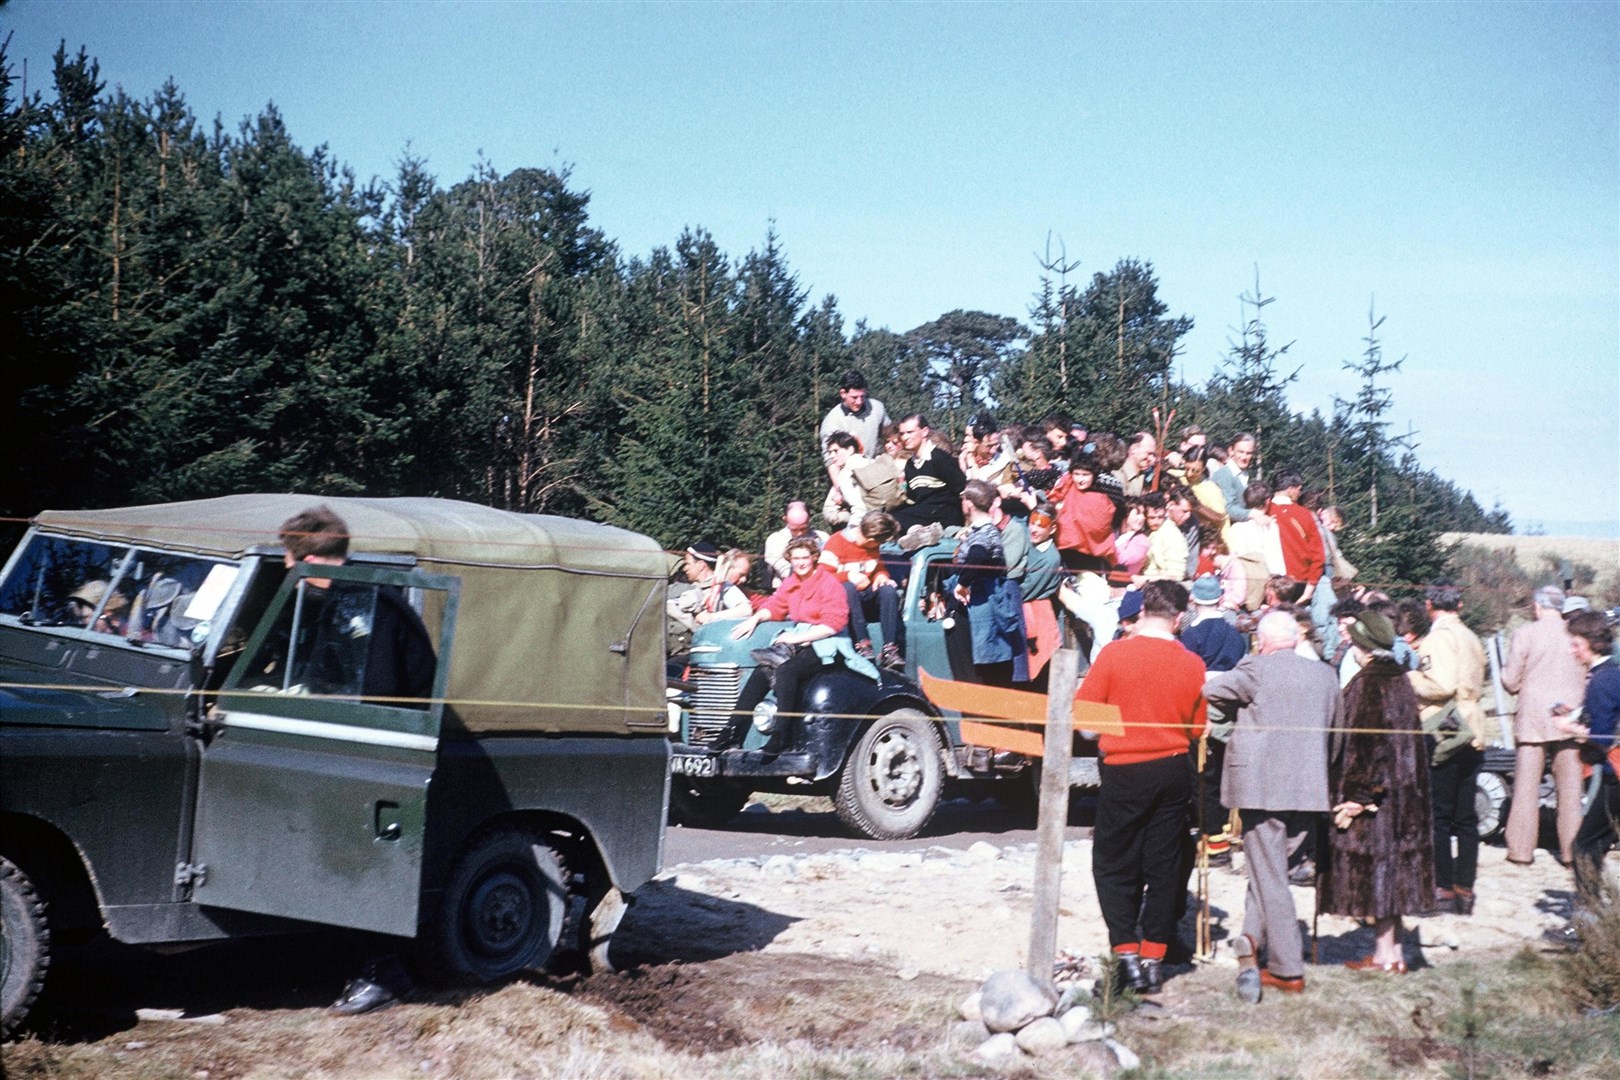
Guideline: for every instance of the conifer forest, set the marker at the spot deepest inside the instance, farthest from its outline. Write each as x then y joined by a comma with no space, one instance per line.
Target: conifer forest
192,309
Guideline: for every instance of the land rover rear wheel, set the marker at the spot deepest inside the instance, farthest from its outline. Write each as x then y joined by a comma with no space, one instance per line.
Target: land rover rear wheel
502,911
25,946
889,786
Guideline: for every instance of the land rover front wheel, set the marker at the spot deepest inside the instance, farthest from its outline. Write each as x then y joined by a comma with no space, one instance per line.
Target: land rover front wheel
25,946
502,911
889,786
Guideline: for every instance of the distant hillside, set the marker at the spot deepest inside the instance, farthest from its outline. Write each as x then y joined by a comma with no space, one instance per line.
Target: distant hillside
1540,556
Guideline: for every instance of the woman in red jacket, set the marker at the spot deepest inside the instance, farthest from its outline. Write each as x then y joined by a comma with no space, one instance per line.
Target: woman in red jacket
813,599
1085,518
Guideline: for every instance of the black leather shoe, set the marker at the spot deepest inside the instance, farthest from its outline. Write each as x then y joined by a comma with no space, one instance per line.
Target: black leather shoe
1152,978
1566,936
772,655
1131,975
364,995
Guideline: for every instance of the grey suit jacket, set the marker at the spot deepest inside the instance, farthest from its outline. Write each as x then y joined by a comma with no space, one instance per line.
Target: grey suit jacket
1277,758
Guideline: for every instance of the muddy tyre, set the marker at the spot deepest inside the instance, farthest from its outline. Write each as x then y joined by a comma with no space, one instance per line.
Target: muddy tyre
502,910
890,784
704,804
25,946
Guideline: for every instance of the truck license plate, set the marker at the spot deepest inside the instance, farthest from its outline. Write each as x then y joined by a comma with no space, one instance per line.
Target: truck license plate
693,765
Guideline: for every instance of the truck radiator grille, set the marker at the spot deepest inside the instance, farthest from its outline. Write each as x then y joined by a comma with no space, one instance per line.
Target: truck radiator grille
717,691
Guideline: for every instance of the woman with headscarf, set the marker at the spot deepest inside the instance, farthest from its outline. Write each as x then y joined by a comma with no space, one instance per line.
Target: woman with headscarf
1380,862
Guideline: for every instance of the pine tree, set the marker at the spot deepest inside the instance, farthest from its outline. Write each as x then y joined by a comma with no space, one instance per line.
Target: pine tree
1247,392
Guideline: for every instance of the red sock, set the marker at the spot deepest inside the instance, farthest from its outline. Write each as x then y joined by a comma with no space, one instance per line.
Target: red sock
1153,950
1127,949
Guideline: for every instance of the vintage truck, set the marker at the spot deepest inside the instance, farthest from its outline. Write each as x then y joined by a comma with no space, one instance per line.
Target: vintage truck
176,765
871,739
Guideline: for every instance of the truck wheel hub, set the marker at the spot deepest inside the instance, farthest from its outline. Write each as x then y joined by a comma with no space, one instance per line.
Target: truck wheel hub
501,911
896,772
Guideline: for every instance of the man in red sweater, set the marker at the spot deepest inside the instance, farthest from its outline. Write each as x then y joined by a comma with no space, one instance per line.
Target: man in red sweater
1303,554
1142,808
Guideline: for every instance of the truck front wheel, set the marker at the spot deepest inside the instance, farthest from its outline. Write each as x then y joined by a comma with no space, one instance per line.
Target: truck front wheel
502,911
889,786
25,946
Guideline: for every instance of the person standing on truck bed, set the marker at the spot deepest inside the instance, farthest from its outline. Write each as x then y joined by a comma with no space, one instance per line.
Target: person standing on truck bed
991,643
934,484
815,600
857,413
399,664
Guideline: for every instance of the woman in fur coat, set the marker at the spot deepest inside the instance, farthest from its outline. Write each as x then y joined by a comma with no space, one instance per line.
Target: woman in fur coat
1381,852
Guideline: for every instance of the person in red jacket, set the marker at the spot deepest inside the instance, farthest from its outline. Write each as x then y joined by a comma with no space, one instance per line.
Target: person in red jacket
812,598
1303,554
1085,518
855,558
1142,807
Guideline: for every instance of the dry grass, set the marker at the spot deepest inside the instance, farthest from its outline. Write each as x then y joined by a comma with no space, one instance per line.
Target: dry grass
819,1026
1495,1017
802,1017
1592,975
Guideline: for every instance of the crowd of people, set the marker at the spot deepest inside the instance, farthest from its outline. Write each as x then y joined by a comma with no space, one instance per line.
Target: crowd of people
1258,684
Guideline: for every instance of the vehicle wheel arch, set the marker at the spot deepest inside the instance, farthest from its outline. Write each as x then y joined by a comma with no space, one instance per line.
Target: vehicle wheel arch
571,837
57,868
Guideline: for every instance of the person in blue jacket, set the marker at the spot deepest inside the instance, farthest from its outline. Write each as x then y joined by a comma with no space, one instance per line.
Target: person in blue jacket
1593,727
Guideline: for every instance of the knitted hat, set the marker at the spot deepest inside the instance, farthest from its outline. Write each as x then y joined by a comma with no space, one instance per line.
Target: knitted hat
1372,631
1206,590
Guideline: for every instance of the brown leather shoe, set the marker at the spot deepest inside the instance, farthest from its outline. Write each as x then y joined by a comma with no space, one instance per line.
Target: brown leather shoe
1367,963
1295,985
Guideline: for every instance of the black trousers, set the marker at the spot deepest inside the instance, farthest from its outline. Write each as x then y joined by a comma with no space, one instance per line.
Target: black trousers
791,675
1598,833
1212,816
1451,794
1138,848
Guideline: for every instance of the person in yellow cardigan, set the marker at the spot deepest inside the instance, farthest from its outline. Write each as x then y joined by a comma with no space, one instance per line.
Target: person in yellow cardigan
1448,686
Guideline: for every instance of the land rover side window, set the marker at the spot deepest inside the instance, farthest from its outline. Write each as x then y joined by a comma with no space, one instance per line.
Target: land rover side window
61,582
346,639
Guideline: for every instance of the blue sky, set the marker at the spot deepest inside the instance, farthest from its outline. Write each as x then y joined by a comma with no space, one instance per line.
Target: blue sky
1456,164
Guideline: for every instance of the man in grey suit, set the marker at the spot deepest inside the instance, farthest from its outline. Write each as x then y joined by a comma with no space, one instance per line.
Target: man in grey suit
1276,777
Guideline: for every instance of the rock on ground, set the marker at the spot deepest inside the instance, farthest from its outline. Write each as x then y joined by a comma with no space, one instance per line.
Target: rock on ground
1011,999
1042,1036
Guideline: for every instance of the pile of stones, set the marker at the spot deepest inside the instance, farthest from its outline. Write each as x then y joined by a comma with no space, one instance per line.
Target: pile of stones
1014,1015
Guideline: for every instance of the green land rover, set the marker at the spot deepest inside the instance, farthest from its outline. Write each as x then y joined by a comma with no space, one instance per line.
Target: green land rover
182,759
